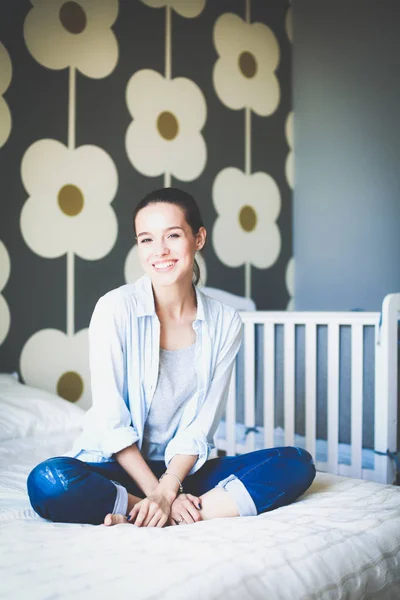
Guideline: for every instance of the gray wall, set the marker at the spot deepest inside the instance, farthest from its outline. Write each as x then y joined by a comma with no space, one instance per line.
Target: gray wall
347,149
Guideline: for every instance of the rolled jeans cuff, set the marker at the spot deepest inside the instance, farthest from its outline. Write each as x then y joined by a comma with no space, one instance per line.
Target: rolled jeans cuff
240,494
121,501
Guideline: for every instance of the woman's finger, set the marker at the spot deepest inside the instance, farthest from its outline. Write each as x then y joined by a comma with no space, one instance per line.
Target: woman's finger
195,500
142,515
153,521
186,516
194,513
174,518
150,515
162,521
134,512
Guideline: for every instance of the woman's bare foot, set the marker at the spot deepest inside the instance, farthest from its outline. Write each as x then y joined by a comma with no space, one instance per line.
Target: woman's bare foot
111,519
216,503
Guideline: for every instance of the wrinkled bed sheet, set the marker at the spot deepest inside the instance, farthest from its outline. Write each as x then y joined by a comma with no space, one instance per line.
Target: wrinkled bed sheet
340,540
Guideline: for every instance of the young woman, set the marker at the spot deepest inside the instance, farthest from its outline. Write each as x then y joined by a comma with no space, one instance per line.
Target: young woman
161,358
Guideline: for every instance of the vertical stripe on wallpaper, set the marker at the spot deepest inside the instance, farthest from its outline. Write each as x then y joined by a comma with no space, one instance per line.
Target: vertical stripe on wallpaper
5,130
289,170
69,188
5,80
248,204
5,268
164,137
247,169
70,254
168,67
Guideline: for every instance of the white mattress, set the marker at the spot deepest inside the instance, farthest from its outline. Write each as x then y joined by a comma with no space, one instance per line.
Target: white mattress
340,540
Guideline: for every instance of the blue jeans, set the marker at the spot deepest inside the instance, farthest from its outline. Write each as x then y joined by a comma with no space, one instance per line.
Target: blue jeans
68,490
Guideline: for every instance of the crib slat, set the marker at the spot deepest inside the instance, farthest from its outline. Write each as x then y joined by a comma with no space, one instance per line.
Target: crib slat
357,347
311,388
231,417
289,379
269,384
249,386
333,397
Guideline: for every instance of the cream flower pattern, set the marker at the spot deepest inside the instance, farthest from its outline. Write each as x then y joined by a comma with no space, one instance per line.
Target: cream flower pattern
185,8
58,363
133,269
289,278
5,80
168,116
244,75
69,204
245,230
289,166
5,268
289,24
60,34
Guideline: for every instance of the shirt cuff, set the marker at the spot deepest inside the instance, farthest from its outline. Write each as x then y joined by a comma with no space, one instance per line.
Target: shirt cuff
117,439
188,445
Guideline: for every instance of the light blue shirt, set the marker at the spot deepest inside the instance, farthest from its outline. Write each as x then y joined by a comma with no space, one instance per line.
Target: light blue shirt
124,341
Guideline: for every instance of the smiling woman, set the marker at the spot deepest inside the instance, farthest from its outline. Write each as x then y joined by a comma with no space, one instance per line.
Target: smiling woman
169,230
161,360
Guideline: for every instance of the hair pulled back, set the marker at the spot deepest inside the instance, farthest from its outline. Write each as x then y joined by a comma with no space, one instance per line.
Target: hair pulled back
186,203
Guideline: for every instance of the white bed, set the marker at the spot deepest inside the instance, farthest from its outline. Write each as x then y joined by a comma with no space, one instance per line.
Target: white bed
341,540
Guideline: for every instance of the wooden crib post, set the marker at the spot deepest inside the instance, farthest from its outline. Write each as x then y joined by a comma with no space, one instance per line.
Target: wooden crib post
386,388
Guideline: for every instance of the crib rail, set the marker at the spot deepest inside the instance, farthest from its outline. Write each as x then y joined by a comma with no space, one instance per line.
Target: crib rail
385,397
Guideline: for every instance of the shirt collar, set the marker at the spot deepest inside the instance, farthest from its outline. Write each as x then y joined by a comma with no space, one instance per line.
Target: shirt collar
200,298
145,299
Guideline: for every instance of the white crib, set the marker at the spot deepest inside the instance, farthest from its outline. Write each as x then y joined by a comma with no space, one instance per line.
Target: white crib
233,437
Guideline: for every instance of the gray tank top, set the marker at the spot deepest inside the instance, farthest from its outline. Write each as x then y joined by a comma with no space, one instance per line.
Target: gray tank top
176,384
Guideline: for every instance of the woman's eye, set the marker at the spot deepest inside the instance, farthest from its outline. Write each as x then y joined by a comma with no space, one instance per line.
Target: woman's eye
174,235
145,240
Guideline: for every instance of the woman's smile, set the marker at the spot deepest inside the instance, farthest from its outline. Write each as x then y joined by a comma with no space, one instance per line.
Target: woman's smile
166,244
164,266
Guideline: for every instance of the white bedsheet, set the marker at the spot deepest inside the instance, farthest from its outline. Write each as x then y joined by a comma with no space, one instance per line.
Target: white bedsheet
340,540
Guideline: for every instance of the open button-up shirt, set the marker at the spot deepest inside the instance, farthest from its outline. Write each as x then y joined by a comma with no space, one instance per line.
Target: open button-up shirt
124,339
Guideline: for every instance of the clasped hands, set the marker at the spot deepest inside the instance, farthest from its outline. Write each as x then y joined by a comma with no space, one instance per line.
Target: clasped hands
159,510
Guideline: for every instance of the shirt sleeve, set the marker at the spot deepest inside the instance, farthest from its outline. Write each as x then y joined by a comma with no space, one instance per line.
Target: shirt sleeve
114,427
196,439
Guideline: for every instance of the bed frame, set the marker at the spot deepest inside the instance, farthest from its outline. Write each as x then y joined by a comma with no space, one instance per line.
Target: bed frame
385,327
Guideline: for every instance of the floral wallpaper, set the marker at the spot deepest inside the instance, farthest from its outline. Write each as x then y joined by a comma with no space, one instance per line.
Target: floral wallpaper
102,101
5,79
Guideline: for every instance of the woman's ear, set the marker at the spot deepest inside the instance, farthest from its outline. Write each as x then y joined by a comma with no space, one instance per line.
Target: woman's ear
201,238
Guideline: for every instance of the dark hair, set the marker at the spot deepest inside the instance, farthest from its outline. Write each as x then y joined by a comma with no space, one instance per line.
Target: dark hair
186,203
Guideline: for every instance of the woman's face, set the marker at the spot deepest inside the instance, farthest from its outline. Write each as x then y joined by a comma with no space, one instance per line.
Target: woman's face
166,243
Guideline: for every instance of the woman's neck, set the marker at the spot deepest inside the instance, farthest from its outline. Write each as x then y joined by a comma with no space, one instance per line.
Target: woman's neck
175,301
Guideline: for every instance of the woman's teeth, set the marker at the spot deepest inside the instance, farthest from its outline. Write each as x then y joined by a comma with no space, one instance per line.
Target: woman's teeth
164,265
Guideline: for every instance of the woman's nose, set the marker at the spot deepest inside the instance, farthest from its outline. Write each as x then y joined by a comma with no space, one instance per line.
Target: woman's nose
161,249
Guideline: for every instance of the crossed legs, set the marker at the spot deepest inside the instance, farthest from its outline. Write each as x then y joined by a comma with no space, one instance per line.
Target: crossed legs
68,490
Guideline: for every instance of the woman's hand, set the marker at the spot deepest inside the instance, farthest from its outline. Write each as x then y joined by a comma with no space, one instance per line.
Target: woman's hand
152,511
185,509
